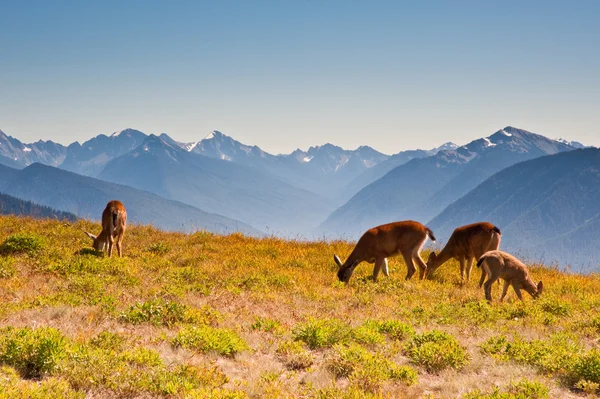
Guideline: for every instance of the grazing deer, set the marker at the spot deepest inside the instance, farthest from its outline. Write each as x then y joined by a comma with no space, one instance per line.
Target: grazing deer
377,244
499,264
114,220
466,244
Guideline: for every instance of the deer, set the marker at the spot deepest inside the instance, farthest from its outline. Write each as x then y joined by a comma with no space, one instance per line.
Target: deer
467,244
114,221
404,238
498,264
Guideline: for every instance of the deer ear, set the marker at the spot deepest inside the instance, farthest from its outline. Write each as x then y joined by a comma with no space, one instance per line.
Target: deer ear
93,237
337,260
540,287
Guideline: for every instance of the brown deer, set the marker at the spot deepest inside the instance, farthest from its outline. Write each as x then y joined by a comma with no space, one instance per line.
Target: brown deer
499,264
404,238
466,244
114,221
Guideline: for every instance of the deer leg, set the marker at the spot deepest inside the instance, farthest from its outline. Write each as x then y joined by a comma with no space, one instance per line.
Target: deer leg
422,266
463,263
386,270
379,262
119,240
410,266
111,241
469,268
517,287
483,276
488,287
504,289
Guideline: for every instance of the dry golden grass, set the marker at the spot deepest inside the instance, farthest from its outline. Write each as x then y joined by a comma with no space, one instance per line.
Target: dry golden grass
265,318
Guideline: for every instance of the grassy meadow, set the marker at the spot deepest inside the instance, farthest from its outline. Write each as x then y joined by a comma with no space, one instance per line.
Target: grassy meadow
208,316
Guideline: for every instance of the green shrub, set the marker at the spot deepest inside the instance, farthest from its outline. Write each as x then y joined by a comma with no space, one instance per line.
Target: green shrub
587,367
129,373
556,307
436,351
322,333
216,394
7,267
12,387
142,357
159,248
295,355
162,312
108,340
267,325
366,370
28,243
205,339
367,335
392,328
552,355
529,389
589,387
523,389
33,352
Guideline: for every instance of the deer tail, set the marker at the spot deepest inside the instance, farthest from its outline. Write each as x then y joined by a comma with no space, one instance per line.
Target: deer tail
430,234
480,261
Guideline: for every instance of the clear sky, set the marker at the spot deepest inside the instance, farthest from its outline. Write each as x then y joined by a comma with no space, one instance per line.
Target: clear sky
286,74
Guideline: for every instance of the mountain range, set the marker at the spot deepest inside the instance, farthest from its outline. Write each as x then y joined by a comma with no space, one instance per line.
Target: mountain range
222,185
547,208
423,187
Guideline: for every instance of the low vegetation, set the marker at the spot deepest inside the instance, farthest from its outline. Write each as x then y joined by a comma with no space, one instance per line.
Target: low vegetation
208,316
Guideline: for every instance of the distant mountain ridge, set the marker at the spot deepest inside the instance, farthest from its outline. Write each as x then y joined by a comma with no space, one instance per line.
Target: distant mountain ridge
10,205
423,187
86,197
548,208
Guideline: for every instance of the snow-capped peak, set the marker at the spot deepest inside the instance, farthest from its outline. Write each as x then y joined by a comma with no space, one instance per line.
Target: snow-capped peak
488,143
444,147
574,144
212,135
209,136
189,146
504,132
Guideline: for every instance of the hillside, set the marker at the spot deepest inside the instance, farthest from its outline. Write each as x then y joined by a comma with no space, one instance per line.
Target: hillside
208,316
86,197
547,208
10,205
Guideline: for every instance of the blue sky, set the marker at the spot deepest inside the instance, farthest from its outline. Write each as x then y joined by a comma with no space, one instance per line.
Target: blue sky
286,74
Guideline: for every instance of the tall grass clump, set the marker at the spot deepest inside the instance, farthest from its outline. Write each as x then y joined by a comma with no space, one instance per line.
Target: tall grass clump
523,389
366,370
28,243
322,333
206,339
7,267
436,351
32,352
162,312
13,387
